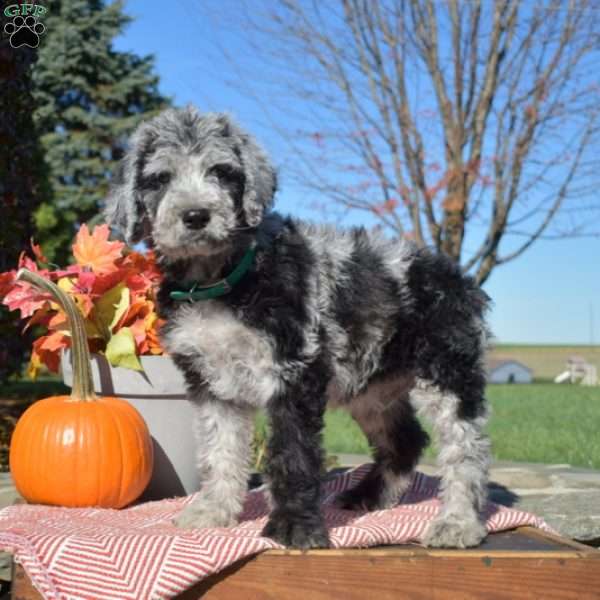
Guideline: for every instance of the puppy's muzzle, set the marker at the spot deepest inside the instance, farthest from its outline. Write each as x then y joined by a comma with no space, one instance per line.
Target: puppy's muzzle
196,219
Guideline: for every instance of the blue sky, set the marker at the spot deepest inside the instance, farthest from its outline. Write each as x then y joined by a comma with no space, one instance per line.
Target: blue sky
546,296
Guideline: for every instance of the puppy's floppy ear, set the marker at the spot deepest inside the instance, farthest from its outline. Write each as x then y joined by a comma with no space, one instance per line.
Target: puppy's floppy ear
124,208
261,181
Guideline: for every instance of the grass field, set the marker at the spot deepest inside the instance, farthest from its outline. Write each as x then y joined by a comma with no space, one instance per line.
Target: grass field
532,423
546,361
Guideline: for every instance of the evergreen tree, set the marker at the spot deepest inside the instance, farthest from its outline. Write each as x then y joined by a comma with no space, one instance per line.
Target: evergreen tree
89,98
22,183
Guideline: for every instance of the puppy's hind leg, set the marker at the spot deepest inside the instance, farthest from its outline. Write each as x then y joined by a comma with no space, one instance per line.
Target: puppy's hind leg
388,420
449,342
463,459
223,435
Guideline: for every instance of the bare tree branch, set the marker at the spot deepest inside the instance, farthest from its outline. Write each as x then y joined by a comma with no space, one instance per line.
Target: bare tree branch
443,120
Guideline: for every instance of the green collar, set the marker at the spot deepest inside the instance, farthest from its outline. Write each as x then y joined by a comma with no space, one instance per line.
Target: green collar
222,287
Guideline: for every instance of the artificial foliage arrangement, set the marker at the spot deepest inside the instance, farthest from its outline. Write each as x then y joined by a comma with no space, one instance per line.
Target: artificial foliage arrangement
79,450
113,289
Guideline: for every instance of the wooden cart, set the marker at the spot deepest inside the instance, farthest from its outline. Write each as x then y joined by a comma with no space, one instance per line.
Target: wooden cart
521,564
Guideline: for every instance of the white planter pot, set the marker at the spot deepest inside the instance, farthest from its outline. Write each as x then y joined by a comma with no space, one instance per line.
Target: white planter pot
159,395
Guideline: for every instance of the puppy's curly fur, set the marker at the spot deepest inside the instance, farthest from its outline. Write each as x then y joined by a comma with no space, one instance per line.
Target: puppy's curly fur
380,327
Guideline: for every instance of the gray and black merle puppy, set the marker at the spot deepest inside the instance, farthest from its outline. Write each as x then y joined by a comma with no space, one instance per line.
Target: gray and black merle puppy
265,311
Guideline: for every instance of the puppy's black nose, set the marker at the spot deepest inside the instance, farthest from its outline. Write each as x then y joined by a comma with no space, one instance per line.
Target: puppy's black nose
196,219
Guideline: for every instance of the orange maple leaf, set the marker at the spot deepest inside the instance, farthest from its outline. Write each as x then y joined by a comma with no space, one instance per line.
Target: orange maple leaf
95,251
54,342
46,350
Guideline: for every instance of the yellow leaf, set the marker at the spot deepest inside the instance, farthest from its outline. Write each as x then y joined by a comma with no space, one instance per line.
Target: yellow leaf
120,350
65,284
121,307
110,308
34,366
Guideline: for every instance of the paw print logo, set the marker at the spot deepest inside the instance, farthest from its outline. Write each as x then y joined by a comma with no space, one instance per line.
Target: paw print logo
24,31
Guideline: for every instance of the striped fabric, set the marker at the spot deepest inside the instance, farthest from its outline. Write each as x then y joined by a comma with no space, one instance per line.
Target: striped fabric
136,554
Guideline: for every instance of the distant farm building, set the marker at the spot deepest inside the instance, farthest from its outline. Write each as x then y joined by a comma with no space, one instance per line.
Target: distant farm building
507,370
579,370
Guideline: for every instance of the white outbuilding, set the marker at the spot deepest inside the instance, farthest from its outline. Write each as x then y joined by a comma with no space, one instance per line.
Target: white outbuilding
507,370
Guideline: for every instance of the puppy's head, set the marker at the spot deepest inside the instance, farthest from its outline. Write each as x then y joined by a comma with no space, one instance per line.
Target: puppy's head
189,184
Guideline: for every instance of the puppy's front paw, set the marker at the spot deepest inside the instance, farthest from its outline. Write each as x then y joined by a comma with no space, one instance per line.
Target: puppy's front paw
201,516
453,531
296,533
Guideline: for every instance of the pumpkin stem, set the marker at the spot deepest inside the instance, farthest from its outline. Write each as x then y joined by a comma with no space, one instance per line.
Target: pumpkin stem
83,387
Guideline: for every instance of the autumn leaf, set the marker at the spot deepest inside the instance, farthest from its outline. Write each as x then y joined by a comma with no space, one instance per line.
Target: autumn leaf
390,205
34,365
153,340
46,350
57,321
139,308
138,329
103,283
70,271
143,273
153,345
26,263
82,299
54,342
145,331
385,207
84,282
113,288
140,318
42,316
25,298
120,350
95,251
109,309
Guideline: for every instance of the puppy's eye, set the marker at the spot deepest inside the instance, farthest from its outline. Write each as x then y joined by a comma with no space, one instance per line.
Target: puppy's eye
224,172
158,180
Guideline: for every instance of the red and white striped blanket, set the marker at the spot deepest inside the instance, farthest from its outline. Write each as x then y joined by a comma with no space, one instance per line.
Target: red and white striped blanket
137,554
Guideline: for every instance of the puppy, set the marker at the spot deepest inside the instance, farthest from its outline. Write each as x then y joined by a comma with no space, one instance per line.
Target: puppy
268,312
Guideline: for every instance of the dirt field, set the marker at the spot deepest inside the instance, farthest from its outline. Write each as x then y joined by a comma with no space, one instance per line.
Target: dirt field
546,361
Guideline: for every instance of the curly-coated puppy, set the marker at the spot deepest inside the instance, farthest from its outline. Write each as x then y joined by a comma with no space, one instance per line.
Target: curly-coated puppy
308,315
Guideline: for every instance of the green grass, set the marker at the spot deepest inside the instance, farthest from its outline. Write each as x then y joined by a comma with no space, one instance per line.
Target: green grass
342,434
530,423
546,423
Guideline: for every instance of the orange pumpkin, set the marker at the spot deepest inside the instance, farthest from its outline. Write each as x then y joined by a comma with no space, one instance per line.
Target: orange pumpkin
79,450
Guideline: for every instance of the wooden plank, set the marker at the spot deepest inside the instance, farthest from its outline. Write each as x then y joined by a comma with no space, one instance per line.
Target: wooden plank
268,577
522,564
21,586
